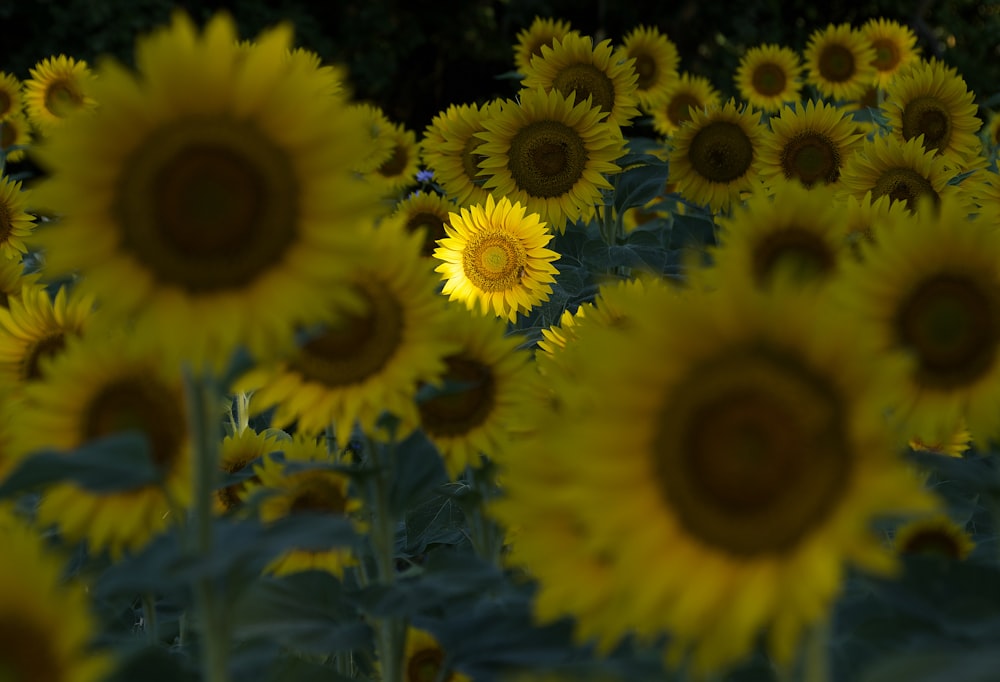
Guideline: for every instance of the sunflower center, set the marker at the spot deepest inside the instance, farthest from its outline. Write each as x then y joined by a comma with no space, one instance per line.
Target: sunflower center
394,166
62,98
751,452
932,542
48,347
799,253
836,64
645,67
494,261
425,666
470,159
949,323
547,158
886,54
26,653
466,404
928,117
358,346
317,494
904,184
769,80
207,204
679,108
142,405
811,157
721,152
433,226
586,80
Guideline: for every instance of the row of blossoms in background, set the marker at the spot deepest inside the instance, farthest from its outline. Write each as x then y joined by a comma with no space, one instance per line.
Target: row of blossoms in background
604,379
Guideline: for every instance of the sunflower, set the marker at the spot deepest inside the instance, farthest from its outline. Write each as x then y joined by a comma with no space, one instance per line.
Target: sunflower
714,155
97,387
840,60
993,130
14,132
656,62
550,155
542,33
59,87
495,255
13,280
903,171
931,100
575,66
450,147
369,361
424,659
47,626
769,76
378,131
11,96
399,170
734,438
809,143
215,206
955,445
15,223
689,93
239,451
936,536
427,214
895,47
862,219
319,491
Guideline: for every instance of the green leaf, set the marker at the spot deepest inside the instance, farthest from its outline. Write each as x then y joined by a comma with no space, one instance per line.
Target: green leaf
639,185
152,664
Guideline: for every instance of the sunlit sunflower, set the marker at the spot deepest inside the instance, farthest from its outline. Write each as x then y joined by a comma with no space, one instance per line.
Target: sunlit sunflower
936,536
688,94
14,132
542,32
11,96
424,659
575,66
656,61
895,47
480,402
450,148
550,154
47,629
215,206
283,492
378,131
809,143
955,445
930,99
239,451
368,361
714,155
769,76
59,87
100,386
427,214
861,219
399,170
734,438
903,171
495,255
13,280
15,223
839,60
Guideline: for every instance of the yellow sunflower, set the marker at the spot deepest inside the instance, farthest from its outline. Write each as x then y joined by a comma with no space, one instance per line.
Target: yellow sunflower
368,361
575,66
809,143
100,386
450,147
15,223
931,100
47,622
215,206
550,154
993,130
714,155
734,438
937,536
495,255
903,171
424,659
239,451
895,47
11,96
688,94
378,132
399,170
427,214
862,219
656,61
769,76
13,280
542,32
839,60
955,445
14,132
59,87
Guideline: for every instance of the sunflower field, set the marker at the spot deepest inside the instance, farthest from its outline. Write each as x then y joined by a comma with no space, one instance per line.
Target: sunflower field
626,366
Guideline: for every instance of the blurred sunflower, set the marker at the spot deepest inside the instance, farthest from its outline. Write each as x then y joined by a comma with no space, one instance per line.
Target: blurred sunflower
195,198
426,214
936,536
656,61
768,76
575,66
378,131
495,255
809,143
714,155
839,60
14,132
16,224
895,47
549,154
541,33
424,659
450,147
11,96
688,93
13,280
239,451
861,219
399,170
59,87
903,171
955,445
993,130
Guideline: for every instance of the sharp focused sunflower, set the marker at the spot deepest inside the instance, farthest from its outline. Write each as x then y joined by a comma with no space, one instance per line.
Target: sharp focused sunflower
895,47
426,214
809,143
542,33
450,147
575,66
656,62
59,87
239,451
495,255
734,438
688,94
550,154
11,97
714,155
15,223
195,199
903,171
839,60
424,659
936,536
769,76
955,445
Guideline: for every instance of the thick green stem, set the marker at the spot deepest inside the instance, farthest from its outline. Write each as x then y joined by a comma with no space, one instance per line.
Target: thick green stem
149,622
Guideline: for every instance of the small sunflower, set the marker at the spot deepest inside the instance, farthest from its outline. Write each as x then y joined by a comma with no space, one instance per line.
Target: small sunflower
688,94
11,96
495,255
541,33
575,66
427,214
862,219
13,281
895,47
840,60
714,155
955,445
14,132
809,143
239,451
656,62
936,536
378,131
399,170
15,223
59,87
903,171
769,76
424,659
550,154
450,147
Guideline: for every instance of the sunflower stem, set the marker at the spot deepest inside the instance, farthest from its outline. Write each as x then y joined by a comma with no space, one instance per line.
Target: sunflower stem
149,622
817,654
485,534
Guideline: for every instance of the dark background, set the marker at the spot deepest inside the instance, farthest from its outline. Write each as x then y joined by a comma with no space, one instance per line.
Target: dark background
415,58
